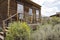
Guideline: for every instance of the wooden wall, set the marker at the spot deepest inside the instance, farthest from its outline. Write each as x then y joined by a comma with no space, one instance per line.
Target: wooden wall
13,10
13,7
3,10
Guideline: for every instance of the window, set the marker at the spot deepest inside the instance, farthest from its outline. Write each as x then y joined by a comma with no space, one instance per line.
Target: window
37,13
30,11
20,10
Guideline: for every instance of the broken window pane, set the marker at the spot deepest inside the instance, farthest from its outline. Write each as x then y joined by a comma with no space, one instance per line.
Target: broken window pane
20,10
30,11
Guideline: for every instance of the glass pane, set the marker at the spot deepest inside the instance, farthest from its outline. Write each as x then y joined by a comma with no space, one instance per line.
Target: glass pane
20,10
20,16
30,11
37,13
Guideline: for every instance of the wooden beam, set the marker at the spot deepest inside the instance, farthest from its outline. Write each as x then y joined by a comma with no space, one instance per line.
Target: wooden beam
17,17
31,18
10,17
17,12
8,7
34,15
26,11
40,15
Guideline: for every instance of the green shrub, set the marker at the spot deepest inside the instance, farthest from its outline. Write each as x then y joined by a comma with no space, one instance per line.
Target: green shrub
18,31
56,19
52,20
49,30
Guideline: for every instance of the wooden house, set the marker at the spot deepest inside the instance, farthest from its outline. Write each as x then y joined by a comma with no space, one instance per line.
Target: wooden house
15,10
56,15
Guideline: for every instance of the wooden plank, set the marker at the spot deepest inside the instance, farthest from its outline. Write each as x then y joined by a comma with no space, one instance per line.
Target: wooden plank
34,15
40,15
10,17
8,7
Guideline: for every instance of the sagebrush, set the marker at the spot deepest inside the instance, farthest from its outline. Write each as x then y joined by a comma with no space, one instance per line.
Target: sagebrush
18,31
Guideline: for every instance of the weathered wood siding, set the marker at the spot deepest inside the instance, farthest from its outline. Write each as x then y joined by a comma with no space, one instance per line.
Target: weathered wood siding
13,7
10,9
3,10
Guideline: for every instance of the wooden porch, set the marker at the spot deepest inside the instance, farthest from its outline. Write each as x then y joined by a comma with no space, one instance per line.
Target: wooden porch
31,11
19,10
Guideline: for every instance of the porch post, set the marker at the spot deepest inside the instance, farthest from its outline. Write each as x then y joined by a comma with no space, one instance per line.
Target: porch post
24,17
31,19
9,10
26,11
27,14
17,13
34,15
8,7
40,15
17,16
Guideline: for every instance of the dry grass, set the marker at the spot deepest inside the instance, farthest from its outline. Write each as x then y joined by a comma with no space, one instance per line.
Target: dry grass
48,31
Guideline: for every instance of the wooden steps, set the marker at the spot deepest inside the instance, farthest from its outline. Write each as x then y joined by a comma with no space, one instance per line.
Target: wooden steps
1,36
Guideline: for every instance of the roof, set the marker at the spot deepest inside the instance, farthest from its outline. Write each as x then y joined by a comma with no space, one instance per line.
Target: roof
57,14
33,3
